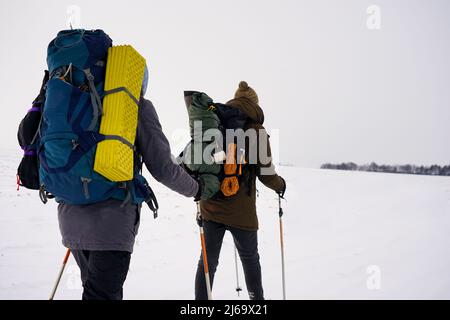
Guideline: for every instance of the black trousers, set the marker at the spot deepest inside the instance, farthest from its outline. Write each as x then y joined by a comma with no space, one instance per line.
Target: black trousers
247,245
102,273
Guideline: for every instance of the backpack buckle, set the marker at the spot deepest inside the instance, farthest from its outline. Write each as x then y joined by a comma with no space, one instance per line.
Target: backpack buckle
44,195
75,144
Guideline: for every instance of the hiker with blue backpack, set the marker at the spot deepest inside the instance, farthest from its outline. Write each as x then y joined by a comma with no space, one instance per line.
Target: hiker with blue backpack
98,218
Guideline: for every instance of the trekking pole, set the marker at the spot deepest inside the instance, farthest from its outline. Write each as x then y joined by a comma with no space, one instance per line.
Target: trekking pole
66,257
280,213
205,258
238,287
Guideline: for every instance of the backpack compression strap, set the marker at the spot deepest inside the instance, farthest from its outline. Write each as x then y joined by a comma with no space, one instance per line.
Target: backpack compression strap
119,89
119,138
95,100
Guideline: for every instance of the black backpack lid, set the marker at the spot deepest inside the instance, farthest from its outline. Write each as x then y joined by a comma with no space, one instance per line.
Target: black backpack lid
231,118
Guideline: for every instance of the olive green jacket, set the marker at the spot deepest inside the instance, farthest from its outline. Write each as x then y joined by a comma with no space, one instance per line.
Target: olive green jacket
239,211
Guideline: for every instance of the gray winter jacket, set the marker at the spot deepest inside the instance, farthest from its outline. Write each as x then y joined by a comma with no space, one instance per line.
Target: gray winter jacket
107,226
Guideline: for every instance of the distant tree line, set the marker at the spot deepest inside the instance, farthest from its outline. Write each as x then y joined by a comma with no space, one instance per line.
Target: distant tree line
433,170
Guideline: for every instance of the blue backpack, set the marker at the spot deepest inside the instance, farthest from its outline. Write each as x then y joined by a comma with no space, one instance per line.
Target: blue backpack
70,122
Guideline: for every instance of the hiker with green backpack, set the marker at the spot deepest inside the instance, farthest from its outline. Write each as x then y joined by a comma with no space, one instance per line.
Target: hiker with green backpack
98,218
234,170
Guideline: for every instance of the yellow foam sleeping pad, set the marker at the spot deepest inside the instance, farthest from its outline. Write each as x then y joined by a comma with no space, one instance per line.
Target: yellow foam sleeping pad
124,69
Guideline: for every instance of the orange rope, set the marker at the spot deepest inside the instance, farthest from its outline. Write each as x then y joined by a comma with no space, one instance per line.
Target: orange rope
230,185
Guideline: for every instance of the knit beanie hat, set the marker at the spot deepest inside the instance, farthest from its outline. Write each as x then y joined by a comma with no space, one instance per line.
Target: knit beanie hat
247,92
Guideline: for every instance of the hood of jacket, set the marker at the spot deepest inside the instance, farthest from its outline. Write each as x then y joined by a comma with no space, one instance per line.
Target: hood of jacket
251,109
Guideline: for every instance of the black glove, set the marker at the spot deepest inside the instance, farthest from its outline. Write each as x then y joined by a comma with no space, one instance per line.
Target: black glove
281,192
208,186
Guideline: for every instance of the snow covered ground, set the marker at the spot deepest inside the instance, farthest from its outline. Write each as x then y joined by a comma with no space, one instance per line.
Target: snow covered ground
348,235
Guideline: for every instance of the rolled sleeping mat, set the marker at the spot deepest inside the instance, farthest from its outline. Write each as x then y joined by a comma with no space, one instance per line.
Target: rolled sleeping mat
201,109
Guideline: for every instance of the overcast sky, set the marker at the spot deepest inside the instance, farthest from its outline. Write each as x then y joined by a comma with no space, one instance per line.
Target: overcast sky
335,89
